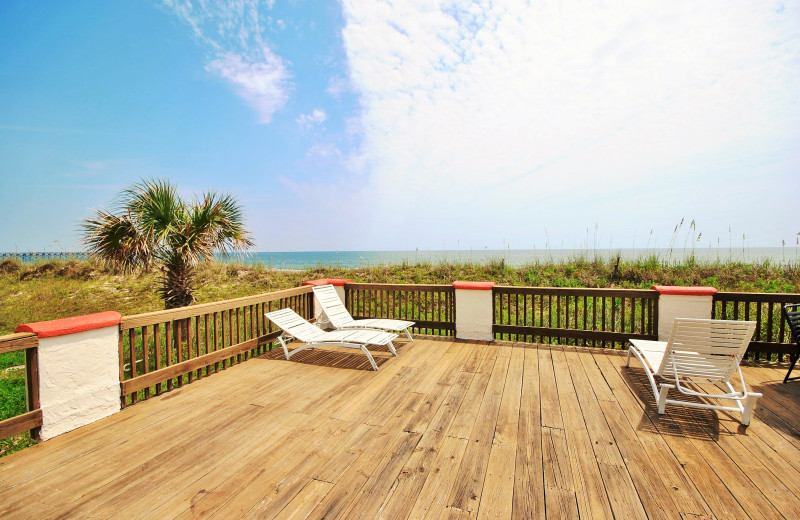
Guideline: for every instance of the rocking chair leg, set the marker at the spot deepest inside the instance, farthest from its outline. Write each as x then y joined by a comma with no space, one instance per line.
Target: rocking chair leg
792,360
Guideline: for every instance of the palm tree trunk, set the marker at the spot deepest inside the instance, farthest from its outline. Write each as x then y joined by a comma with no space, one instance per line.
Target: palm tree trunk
176,291
176,288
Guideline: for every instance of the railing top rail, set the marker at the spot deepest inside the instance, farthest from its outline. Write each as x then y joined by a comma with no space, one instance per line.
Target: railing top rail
152,318
400,286
577,291
16,336
18,341
757,297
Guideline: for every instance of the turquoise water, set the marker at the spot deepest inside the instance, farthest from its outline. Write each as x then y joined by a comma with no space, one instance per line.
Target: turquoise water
511,257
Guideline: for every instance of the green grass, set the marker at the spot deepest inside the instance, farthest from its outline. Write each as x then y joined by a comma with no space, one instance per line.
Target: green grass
57,289
12,359
13,392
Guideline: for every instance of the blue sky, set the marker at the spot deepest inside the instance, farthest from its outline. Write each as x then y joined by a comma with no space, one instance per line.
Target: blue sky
365,125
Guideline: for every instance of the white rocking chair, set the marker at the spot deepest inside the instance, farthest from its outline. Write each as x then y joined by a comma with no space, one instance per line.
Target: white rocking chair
294,326
701,352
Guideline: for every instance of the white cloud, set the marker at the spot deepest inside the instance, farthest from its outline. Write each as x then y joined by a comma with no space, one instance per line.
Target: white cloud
512,115
232,32
261,84
316,117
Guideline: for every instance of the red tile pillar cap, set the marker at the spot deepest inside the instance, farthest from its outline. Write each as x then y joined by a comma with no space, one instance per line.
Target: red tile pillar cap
685,291
64,326
474,286
336,282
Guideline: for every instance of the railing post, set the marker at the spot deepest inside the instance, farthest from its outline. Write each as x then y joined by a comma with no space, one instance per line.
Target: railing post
32,385
474,315
682,302
338,285
78,370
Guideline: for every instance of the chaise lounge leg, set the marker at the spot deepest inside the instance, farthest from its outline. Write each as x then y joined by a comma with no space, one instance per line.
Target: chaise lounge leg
792,360
369,356
628,358
749,407
283,344
391,349
409,335
662,398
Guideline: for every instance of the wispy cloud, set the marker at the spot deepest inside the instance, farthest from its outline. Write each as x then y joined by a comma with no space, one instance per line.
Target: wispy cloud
325,150
337,85
511,109
232,32
316,117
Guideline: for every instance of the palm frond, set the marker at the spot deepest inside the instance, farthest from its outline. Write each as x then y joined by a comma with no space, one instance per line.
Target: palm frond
116,241
155,207
218,221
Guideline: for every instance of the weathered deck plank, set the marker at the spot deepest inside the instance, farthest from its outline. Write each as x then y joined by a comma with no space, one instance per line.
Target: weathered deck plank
447,429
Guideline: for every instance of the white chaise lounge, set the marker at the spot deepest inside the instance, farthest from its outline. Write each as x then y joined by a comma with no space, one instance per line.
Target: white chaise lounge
701,352
294,326
336,314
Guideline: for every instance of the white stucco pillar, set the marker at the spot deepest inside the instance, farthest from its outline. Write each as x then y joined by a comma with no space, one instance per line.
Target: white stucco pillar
338,285
682,302
474,310
78,370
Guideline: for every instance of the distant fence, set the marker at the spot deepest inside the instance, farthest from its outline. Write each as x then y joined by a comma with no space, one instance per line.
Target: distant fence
592,317
771,335
431,307
162,350
32,418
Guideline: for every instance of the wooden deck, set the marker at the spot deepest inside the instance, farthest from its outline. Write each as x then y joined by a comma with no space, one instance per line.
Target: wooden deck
445,430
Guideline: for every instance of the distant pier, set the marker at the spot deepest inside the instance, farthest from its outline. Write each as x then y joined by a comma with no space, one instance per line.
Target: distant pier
33,256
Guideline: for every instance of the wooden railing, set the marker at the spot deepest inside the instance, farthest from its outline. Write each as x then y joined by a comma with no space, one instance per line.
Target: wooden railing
772,335
32,419
431,307
161,350
594,317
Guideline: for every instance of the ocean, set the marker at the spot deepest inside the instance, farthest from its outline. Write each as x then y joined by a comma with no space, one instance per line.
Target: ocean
511,257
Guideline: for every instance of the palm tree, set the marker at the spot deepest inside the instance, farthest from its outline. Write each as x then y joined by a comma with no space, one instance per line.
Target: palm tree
152,226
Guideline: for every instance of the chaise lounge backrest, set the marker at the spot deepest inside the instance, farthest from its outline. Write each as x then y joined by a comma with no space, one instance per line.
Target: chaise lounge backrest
294,325
702,348
333,306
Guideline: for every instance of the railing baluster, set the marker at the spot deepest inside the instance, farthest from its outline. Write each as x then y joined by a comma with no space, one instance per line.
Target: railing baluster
585,316
157,343
179,345
132,349
189,341
168,337
770,312
145,358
